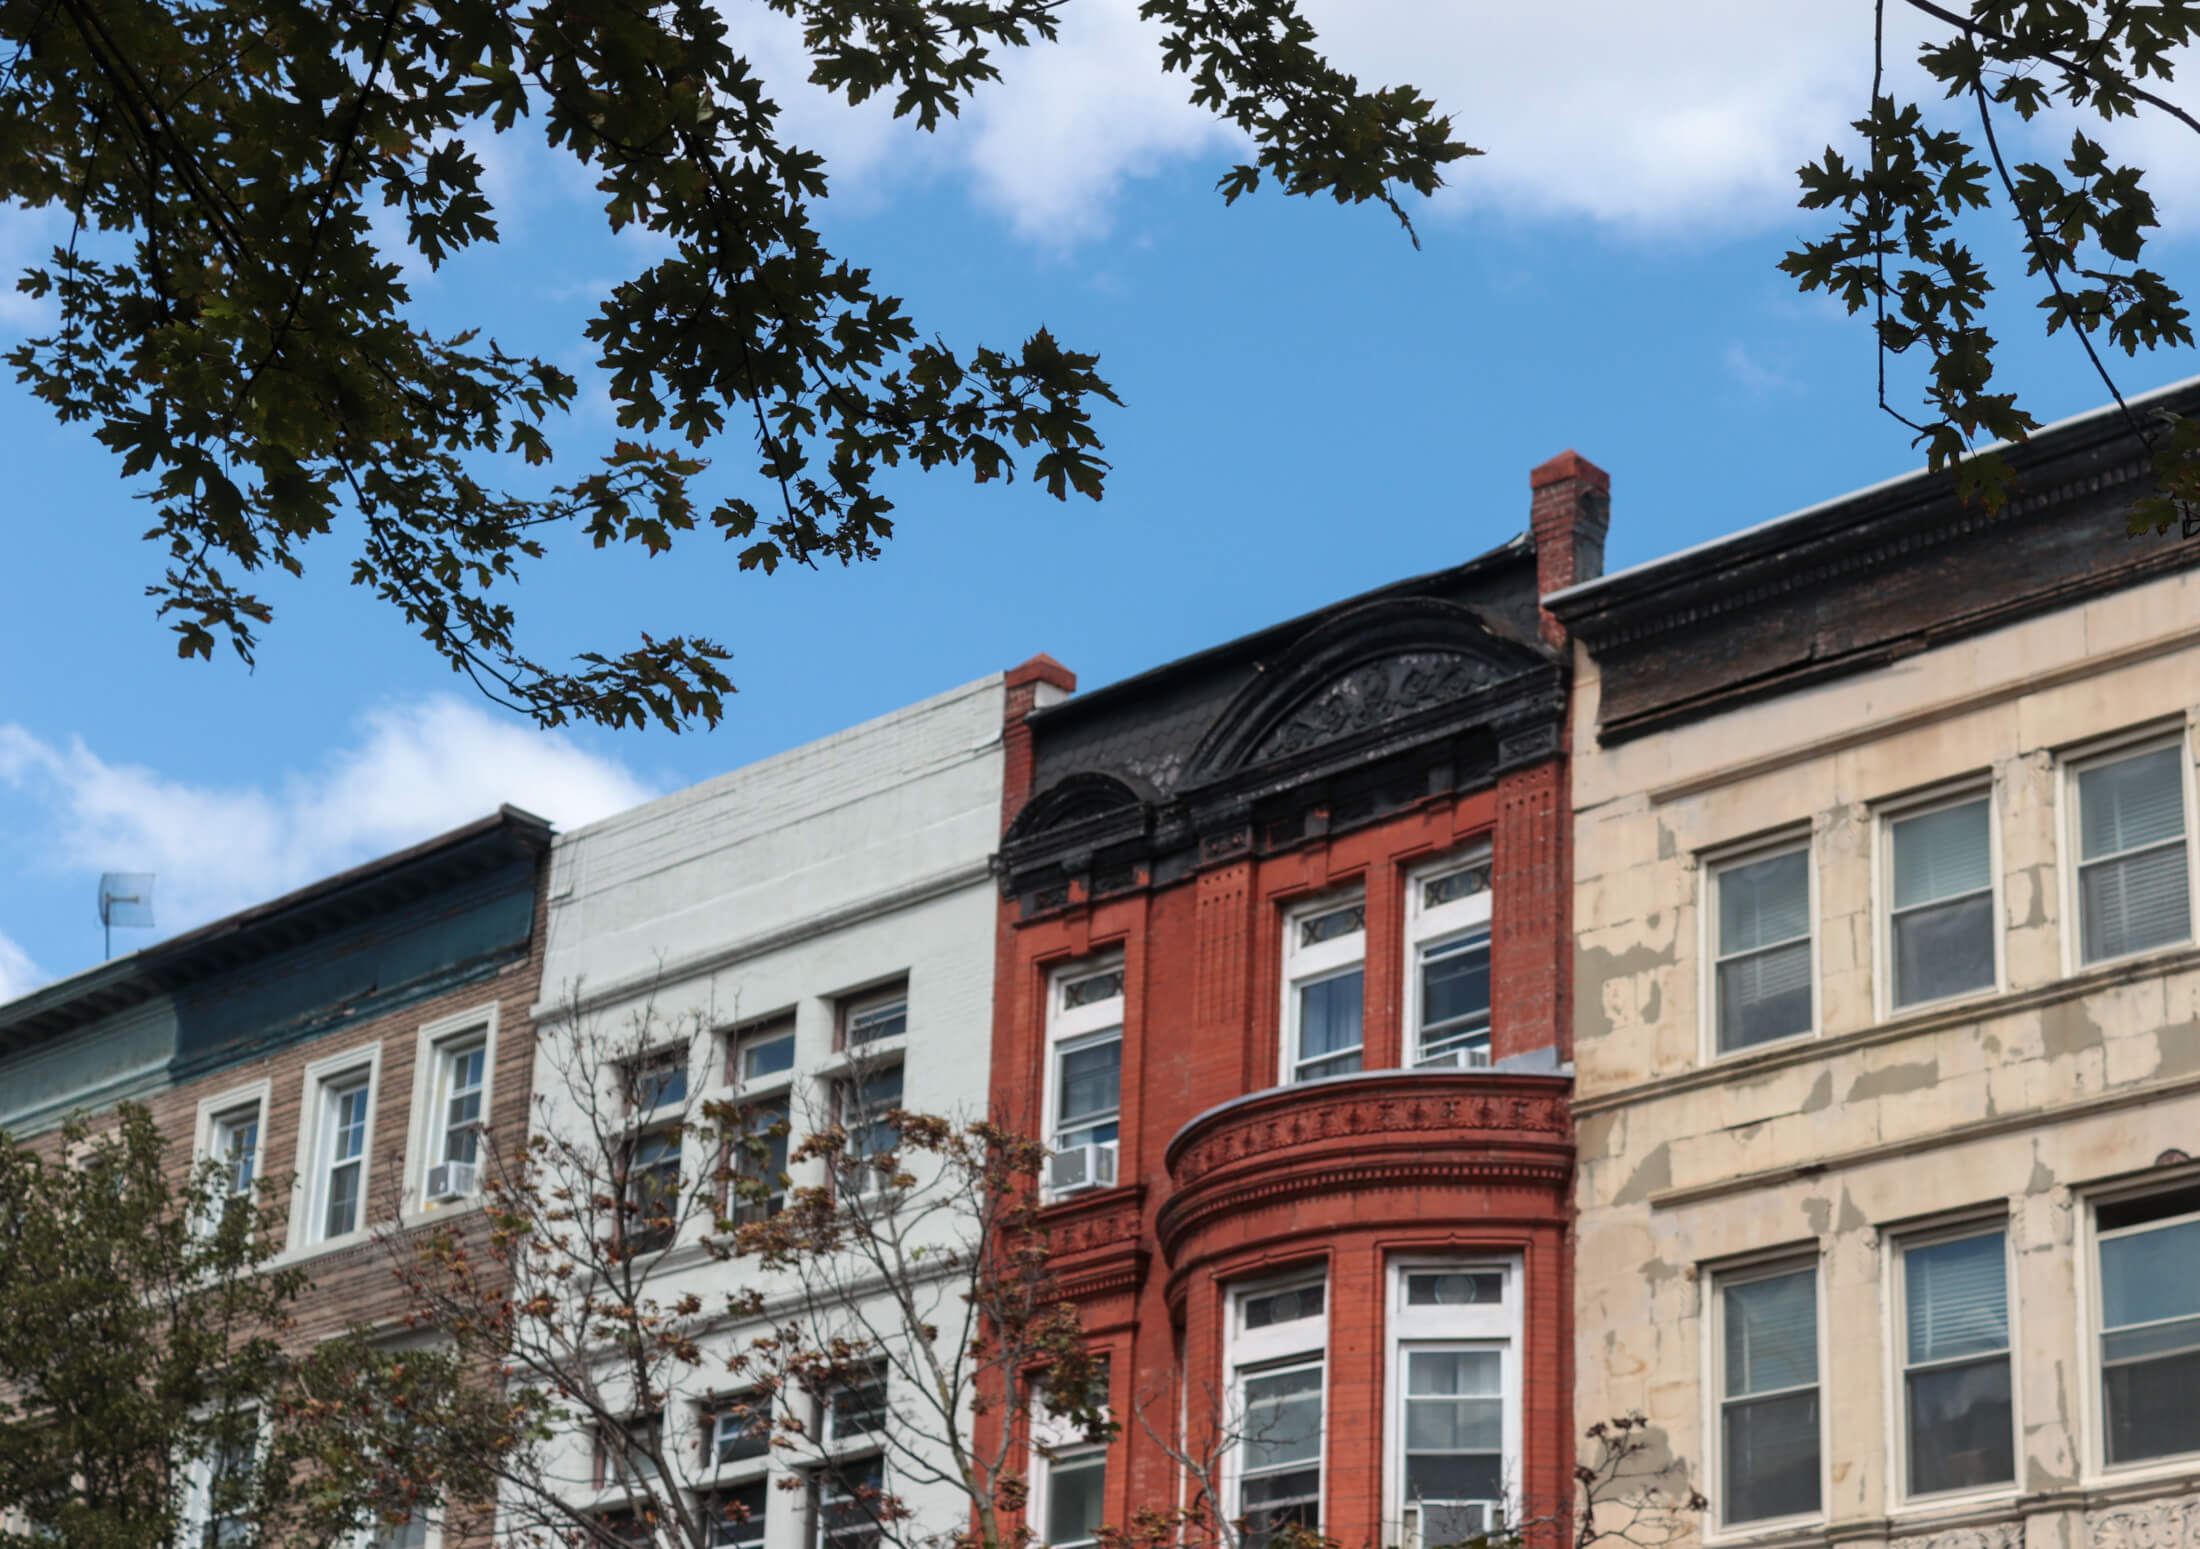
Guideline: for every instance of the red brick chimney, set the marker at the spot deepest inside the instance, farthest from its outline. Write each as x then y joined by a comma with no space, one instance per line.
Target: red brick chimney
1569,512
1040,681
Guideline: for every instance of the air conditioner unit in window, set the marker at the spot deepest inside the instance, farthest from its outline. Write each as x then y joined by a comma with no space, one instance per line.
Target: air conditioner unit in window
1443,1524
1458,1059
1082,1167
452,1180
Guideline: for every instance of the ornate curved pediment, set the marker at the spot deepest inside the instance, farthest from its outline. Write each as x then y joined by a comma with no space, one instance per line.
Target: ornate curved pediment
1365,669
1074,799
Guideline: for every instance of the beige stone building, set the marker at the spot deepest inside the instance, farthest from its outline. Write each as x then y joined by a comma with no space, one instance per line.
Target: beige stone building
1887,1015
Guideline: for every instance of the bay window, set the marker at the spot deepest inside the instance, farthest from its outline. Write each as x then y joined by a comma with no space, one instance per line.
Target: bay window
1453,1420
1448,964
1279,1367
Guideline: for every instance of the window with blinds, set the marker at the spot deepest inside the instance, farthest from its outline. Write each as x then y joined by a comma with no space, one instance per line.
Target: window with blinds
1768,1409
1941,902
2134,866
1956,1383
2150,1326
1763,949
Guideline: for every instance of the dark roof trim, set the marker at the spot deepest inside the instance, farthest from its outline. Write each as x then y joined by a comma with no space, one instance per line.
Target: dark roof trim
1274,636
1693,583
312,910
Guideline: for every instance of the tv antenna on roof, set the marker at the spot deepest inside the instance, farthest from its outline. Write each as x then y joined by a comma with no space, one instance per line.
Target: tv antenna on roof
125,899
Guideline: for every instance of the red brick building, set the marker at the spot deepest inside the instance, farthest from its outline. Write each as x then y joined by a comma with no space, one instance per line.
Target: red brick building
1282,982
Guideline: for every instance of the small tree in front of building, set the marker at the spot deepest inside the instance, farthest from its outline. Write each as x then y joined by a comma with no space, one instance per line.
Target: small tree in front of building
154,1388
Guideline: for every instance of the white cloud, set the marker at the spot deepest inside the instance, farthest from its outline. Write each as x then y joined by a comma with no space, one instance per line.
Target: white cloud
18,974
414,770
1755,375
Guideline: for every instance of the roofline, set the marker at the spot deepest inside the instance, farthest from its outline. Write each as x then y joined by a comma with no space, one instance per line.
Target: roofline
1140,682
1627,579
173,952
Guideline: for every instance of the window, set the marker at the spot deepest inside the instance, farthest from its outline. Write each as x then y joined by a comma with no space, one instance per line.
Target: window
233,1142
738,1516
660,1081
867,1104
2134,867
218,1505
1958,1424
1324,967
1448,964
848,1495
1768,1405
738,1429
1453,1417
1076,1485
763,1051
762,1161
625,1452
410,1533
340,1167
1085,1037
454,1147
1940,890
875,1018
652,1208
1278,1367
859,1409
2150,1326
1762,949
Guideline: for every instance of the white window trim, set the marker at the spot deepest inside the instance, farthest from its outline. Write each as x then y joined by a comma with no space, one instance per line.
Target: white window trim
253,1094
853,1004
1474,1327
2073,762
1307,965
197,1514
780,1024
307,1200
424,1128
1884,816
2095,1470
1715,1280
843,1085
1254,1353
1710,864
1068,1026
713,1474
1053,1441
370,1536
1895,1339
1439,926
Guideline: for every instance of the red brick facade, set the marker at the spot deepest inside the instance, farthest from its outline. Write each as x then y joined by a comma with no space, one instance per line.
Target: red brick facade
1226,1178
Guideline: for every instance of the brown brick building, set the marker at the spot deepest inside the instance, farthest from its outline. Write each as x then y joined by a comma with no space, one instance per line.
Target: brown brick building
351,1036
1282,982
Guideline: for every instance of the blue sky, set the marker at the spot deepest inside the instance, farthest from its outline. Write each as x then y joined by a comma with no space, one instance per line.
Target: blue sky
1312,407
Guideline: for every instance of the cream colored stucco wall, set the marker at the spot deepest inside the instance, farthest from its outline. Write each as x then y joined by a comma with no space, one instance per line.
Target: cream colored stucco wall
2025,1099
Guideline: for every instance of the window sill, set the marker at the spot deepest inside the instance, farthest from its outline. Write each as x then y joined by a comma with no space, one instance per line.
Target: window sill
762,1088
2180,1465
869,1056
1772,1530
1956,1503
1728,1056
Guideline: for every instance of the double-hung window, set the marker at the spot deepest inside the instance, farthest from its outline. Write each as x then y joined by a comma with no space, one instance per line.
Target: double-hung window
738,1516
762,1051
738,1429
1768,1394
233,1144
2149,1252
1454,1415
1279,1375
456,1108
657,1094
1076,1487
346,1106
2134,857
874,1018
1448,964
1940,893
846,1500
1959,1429
218,1501
760,1160
1324,989
868,1102
1085,1042
1761,948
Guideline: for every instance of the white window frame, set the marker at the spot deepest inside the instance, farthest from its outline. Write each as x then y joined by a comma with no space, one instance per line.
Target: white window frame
2093,1417
1885,817
863,1003
1712,867
1069,1028
425,1131
1053,1443
1249,1353
854,1180
760,1522
197,1516
1439,926
1475,1326
431,1530
1767,1267
815,1535
209,1128
761,1030
715,1409
310,1195
1894,1275
1304,965
2090,756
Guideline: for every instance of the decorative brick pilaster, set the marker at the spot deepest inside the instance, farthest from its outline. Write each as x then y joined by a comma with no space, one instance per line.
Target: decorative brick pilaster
1024,687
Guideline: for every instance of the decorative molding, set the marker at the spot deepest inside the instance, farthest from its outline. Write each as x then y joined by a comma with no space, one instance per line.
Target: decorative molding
1374,694
1989,1535
2158,1524
1495,1116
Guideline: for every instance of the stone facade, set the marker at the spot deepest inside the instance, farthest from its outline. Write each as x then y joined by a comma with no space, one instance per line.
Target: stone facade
1803,691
